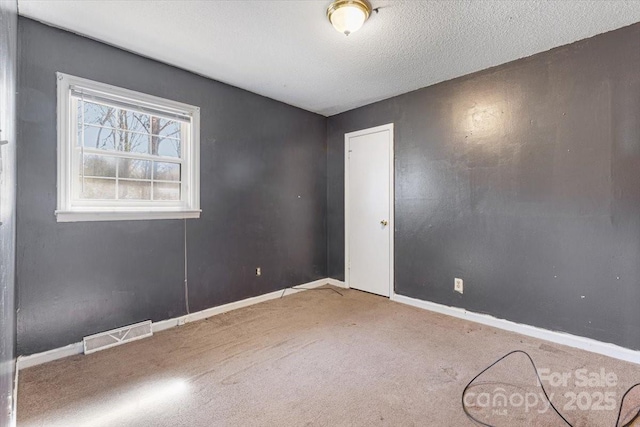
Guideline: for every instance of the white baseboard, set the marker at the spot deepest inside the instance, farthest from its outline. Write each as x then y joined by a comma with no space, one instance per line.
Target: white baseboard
337,283
14,399
77,348
49,355
209,312
570,340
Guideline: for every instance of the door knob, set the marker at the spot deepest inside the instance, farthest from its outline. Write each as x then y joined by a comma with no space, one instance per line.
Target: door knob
384,222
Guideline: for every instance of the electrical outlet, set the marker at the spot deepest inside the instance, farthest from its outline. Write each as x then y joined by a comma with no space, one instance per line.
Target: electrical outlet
258,271
458,285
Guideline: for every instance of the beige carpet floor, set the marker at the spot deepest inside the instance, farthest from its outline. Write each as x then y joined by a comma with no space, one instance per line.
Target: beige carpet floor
320,359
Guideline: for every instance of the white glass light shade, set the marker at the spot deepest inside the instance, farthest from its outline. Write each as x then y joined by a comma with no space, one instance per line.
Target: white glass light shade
348,16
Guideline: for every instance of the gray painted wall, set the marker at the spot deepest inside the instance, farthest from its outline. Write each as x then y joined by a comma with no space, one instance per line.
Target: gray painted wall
8,65
263,180
524,181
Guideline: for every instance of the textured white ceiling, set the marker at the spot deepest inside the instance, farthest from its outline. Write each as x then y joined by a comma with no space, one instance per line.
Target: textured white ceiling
287,50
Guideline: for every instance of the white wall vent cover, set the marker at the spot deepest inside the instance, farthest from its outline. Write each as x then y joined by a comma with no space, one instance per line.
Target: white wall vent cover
115,337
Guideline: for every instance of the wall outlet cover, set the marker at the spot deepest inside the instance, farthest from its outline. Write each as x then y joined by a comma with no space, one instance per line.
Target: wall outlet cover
458,285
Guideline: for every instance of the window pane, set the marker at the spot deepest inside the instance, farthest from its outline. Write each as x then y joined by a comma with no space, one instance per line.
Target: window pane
97,137
166,171
96,188
133,142
96,165
165,127
134,190
134,121
166,191
136,169
97,114
168,147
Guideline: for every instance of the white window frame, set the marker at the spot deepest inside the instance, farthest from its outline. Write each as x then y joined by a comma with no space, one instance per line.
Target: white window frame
71,209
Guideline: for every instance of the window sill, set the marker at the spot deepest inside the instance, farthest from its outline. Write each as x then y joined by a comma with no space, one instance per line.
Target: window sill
80,216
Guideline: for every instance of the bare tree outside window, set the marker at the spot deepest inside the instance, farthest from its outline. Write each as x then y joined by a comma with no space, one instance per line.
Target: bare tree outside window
107,134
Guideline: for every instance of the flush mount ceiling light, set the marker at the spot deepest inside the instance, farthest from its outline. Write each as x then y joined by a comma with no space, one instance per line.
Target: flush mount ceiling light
347,16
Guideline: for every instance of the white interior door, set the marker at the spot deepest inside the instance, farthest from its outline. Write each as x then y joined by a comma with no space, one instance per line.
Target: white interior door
369,210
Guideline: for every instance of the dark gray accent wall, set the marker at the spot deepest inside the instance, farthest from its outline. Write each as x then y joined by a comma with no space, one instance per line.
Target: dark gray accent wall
263,181
524,180
8,66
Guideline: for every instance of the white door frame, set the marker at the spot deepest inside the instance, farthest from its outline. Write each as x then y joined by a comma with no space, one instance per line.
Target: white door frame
387,127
